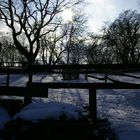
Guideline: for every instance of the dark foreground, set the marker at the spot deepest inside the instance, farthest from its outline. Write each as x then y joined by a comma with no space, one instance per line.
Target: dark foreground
58,130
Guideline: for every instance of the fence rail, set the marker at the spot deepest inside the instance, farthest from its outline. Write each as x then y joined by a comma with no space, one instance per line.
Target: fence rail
92,87
83,68
41,89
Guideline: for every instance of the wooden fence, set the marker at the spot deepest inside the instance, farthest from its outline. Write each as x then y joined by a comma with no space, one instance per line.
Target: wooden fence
92,88
82,68
41,89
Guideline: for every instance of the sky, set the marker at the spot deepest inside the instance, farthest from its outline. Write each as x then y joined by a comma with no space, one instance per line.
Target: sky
100,11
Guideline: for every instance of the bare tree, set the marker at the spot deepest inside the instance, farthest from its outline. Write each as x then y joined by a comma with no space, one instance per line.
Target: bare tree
65,45
0,46
31,17
51,47
93,50
8,53
74,39
123,36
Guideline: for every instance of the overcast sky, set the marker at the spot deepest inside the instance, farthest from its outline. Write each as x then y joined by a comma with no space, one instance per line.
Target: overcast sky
100,11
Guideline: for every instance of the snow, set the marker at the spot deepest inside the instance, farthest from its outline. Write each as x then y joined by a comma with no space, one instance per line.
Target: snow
40,111
126,79
130,135
4,117
120,106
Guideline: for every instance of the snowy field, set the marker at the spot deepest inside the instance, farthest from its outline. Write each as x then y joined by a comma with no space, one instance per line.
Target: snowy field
120,106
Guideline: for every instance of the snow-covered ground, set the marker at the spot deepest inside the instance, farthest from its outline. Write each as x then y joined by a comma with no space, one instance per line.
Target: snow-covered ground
120,106
39,111
4,117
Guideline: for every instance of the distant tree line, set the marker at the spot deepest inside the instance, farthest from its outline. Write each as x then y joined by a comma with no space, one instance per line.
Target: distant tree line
39,35
119,41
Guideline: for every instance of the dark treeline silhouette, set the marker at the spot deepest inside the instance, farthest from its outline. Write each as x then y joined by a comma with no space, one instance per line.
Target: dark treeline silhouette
123,37
40,36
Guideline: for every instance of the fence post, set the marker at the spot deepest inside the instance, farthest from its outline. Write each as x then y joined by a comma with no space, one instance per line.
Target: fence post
27,97
86,75
106,77
7,79
92,104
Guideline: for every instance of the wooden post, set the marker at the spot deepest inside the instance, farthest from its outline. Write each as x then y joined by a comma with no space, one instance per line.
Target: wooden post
86,75
105,77
7,79
27,97
92,104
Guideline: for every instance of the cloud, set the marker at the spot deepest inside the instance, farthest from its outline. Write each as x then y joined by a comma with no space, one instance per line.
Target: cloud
3,28
100,11
99,2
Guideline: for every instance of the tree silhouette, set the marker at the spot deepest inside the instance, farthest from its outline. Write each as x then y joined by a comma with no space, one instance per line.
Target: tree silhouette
0,46
34,19
124,37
